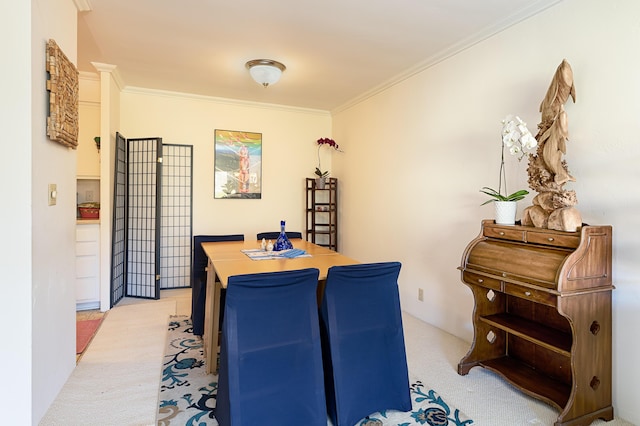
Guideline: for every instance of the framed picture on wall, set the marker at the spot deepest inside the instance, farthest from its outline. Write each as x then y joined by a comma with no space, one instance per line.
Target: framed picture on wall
237,165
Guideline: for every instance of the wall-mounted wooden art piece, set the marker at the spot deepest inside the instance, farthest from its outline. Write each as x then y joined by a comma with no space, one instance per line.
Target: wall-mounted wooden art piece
62,123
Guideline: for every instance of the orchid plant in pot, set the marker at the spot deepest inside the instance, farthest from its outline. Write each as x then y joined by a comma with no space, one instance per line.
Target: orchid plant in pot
321,175
519,140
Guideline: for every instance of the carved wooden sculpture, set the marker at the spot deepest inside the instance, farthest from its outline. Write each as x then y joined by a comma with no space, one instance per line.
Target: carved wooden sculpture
553,207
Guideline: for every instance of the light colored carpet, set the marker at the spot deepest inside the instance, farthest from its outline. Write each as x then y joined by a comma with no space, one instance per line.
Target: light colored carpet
116,381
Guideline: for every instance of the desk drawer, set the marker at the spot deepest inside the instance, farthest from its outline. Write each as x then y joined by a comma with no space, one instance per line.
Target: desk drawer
570,241
537,296
481,280
504,233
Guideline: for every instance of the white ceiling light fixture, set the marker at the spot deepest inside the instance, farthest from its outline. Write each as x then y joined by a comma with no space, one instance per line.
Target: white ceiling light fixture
265,71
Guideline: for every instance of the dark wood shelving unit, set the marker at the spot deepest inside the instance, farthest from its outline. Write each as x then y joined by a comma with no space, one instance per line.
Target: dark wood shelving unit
542,316
322,213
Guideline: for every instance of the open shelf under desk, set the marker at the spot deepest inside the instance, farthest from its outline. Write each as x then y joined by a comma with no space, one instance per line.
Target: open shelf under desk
534,332
530,381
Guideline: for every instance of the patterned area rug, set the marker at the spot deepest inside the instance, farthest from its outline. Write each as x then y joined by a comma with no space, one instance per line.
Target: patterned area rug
188,395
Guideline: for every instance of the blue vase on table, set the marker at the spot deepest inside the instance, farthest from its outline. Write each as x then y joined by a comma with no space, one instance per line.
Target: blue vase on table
282,243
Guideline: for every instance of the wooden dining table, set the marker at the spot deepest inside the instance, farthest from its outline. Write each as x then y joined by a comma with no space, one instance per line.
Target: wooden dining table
226,259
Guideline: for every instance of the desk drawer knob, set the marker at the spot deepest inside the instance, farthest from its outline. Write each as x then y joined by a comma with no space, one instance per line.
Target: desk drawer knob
480,280
550,239
501,233
527,293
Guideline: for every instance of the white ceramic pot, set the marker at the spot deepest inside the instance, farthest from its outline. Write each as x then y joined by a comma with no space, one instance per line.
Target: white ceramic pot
320,183
505,212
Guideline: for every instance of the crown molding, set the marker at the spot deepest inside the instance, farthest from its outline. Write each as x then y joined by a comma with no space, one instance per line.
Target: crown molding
111,69
225,101
86,75
83,5
532,9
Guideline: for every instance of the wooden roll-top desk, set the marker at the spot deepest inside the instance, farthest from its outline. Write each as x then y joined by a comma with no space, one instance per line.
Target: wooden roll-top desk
542,316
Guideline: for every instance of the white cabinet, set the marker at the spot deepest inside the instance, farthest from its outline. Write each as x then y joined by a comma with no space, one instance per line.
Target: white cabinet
87,266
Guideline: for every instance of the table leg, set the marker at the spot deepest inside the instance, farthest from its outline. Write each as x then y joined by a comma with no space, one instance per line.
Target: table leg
215,321
320,291
211,321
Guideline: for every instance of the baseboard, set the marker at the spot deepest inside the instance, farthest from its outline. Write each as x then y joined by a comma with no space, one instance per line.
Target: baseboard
86,306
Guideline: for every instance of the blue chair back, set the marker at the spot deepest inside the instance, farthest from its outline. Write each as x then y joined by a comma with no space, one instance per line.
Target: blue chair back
363,342
270,355
274,235
199,277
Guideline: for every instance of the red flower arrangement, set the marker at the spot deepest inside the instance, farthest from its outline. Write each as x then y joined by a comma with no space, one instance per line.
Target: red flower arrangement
327,141
332,144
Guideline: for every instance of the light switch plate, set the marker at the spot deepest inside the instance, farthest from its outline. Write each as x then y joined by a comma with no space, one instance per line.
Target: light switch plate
53,194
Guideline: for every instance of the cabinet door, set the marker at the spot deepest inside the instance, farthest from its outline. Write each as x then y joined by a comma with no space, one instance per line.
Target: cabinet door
87,264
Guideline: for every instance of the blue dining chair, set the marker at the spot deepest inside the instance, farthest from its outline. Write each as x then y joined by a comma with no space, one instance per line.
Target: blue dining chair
199,263
270,355
274,235
363,342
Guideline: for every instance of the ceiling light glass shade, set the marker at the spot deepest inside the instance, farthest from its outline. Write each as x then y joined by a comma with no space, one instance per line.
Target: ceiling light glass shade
265,71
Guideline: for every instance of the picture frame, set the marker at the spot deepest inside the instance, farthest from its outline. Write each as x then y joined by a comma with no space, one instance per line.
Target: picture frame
237,164
62,85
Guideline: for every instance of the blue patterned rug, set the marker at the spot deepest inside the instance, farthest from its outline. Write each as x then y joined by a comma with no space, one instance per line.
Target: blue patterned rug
188,395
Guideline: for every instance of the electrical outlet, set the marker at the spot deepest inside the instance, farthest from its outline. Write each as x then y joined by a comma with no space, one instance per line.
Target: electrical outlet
420,295
89,196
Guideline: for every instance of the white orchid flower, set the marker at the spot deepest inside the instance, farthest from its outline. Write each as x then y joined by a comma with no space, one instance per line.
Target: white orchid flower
517,137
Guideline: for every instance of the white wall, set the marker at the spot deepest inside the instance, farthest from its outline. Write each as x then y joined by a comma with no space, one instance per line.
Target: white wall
289,154
37,255
417,154
88,155
52,228
15,214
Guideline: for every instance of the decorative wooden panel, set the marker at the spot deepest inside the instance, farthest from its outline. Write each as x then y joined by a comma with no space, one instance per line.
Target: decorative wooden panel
62,123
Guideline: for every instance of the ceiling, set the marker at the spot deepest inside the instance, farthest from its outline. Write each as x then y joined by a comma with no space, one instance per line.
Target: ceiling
336,51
